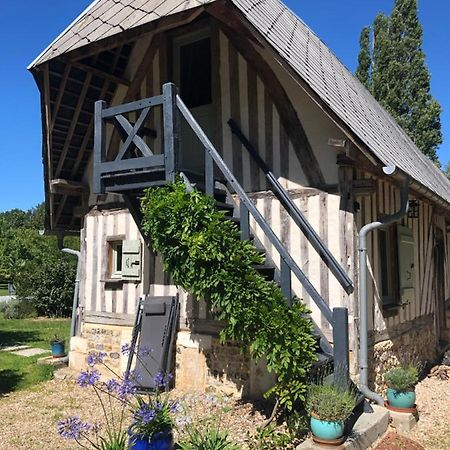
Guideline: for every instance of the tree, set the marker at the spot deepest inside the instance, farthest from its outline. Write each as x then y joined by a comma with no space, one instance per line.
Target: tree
397,75
34,263
364,58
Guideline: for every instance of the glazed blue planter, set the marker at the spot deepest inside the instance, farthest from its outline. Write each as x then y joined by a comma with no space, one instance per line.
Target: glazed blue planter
401,399
57,349
159,441
139,443
324,429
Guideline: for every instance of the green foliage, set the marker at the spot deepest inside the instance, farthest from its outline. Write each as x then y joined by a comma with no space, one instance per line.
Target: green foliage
364,59
17,309
211,438
34,263
205,256
329,402
402,378
114,440
398,76
163,417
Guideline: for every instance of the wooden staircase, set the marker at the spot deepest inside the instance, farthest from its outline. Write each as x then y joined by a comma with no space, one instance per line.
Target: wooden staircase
129,174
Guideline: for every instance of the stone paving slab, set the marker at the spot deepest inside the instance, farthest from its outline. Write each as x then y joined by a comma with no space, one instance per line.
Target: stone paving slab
13,348
30,352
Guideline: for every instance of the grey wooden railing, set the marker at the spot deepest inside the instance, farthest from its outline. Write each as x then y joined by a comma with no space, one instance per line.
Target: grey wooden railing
172,105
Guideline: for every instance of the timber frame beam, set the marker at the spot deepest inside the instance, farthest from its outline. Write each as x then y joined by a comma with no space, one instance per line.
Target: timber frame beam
226,15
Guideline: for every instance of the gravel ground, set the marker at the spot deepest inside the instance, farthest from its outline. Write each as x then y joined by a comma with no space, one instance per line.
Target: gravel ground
433,402
29,417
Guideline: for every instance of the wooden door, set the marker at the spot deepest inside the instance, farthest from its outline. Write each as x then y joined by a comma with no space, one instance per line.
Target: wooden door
192,66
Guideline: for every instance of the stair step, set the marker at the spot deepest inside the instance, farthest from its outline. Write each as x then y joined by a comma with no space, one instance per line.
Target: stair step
268,272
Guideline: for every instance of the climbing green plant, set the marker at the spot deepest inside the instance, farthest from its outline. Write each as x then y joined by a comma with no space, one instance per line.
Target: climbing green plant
205,256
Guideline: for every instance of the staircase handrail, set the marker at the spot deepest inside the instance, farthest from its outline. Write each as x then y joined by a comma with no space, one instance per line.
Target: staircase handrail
297,216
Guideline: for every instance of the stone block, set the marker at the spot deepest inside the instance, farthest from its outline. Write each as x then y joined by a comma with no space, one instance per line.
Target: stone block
79,344
403,422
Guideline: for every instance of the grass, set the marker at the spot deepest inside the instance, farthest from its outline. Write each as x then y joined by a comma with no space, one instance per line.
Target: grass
21,372
3,292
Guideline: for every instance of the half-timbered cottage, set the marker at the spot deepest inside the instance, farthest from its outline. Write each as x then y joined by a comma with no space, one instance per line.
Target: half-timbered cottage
301,124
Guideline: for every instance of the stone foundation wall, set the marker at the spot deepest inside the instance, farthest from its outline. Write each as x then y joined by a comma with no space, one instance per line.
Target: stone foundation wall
417,346
204,364
100,338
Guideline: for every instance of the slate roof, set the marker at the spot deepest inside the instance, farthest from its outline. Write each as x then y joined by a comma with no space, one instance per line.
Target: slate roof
297,44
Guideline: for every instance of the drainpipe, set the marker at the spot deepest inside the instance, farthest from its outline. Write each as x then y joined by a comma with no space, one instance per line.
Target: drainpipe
363,323
75,292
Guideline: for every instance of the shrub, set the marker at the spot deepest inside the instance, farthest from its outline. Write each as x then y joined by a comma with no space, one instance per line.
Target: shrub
402,378
17,309
328,402
206,257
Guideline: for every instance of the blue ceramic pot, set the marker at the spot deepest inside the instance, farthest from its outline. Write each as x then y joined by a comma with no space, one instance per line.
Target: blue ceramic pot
161,441
325,429
57,349
400,399
139,443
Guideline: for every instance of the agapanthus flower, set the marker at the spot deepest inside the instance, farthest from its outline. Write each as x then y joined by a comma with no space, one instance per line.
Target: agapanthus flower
182,421
95,358
112,385
161,380
145,414
126,349
145,351
72,427
136,375
174,407
126,388
88,378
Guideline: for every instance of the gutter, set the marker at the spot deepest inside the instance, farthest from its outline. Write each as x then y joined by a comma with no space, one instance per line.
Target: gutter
391,171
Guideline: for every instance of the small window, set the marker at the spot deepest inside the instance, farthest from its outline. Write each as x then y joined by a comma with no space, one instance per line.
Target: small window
396,247
116,259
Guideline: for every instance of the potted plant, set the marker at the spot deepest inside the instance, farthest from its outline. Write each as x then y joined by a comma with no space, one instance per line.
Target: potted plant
57,345
401,382
329,407
152,423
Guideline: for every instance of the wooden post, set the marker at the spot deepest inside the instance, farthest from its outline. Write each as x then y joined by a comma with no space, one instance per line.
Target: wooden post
99,147
286,280
340,344
171,130
244,221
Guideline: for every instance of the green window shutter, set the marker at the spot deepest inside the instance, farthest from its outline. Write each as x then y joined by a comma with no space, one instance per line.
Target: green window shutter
131,260
405,242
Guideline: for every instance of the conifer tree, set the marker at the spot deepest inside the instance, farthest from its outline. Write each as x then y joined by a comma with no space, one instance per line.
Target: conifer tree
399,78
364,58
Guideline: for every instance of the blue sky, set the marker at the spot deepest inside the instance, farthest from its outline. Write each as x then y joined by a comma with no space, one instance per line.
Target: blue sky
26,28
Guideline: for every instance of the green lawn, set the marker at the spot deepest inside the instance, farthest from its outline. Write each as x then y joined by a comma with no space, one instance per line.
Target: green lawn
20,372
3,292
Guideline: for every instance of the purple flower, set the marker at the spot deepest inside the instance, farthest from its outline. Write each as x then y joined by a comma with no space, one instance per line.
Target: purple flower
126,349
88,378
145,351
95,358
174,407
126,388
136,376
112,385
144,414
72,427
161,380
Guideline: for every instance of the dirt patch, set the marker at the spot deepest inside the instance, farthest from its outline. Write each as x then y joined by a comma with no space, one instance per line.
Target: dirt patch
394,441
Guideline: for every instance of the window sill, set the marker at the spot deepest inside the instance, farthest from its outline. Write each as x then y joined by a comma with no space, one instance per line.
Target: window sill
111,281
391,310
